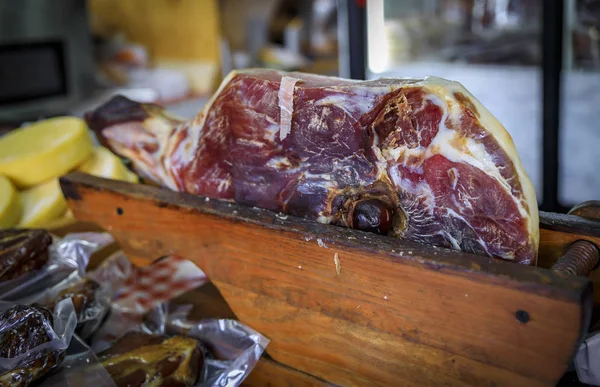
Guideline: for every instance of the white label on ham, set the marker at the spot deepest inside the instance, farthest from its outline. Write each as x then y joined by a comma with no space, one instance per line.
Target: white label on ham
286,104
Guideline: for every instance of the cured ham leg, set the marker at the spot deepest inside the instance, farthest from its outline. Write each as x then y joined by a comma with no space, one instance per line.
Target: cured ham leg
419,159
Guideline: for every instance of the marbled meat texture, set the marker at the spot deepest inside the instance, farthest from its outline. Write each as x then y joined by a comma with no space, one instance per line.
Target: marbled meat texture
419,159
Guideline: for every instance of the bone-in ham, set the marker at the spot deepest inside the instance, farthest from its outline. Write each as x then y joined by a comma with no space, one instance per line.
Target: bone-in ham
417,159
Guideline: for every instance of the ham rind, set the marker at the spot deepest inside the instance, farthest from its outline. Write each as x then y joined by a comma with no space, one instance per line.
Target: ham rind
417,159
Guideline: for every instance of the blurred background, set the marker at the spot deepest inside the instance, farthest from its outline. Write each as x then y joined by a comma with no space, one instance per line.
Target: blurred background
534,64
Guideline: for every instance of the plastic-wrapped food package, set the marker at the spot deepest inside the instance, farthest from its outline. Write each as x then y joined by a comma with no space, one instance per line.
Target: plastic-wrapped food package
207,353
90,299
142,328
79,368
67,260
113,273
586,361
233,348
140,359
135,291
22,251
236,347
33,340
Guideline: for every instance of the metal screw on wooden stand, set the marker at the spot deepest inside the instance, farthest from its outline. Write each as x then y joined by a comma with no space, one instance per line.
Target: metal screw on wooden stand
580,258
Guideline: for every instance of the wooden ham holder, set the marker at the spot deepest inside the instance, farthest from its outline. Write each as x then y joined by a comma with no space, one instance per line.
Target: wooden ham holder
348,308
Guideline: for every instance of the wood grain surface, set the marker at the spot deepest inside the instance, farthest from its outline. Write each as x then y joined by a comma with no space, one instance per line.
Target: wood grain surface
352,308
269,373
208,303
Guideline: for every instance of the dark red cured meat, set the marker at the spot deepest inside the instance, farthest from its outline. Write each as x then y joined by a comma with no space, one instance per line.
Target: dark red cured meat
414,159
495,204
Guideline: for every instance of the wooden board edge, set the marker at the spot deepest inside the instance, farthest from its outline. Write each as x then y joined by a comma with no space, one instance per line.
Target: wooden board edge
538,280
571,224
230,216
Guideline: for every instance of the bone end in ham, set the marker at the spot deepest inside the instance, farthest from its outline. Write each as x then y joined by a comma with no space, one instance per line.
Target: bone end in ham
418,159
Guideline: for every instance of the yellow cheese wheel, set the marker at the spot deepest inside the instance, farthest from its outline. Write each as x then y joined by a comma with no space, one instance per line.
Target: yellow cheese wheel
42,204
104,163
10,204
44,150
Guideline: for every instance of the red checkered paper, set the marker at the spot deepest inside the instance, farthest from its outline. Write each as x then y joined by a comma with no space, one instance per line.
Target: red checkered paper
162,281
137,290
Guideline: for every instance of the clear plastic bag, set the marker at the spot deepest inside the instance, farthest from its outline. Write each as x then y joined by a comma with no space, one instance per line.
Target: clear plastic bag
141,303
94,308
234,348
68,259
113,273
586,361
61,331
79,368
136,291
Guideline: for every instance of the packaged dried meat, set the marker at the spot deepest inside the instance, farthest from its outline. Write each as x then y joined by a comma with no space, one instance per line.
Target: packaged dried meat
135,291
66,260
79,368
33,340
141,359
142,323
233,349
90,300
22,251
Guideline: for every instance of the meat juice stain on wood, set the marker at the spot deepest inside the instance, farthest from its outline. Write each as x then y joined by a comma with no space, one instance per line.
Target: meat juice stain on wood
382,342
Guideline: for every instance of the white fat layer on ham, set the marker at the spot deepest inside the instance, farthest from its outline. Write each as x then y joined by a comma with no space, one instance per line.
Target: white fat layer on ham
286,104
280,163
177,153
420,190
354,105
181,150
443,87
130,140
473,153
382,173
162,128
476,156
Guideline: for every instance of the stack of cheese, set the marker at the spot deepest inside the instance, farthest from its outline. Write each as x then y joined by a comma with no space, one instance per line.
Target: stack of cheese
32,159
